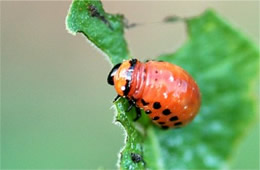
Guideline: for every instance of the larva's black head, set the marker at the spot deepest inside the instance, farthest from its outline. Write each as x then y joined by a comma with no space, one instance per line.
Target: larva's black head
110,78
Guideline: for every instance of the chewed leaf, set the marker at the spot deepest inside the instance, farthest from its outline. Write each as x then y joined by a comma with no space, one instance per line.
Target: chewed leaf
225,65
105,30
134,140
222,61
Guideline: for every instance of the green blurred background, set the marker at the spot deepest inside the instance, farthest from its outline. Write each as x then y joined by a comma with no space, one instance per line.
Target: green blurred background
55,102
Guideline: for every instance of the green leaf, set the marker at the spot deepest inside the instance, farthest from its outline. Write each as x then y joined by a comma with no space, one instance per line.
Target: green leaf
225,65
134,139
222,61
105,30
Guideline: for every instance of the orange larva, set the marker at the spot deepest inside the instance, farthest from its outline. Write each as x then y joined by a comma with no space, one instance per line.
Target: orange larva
166,92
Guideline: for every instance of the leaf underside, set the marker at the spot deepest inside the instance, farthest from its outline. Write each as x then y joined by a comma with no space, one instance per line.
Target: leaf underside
222,61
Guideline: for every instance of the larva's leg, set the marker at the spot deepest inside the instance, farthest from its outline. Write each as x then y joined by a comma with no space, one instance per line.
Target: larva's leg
116,98
138,113
131,104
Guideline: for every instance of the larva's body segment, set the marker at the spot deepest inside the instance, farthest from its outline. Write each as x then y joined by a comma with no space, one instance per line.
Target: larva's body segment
166,92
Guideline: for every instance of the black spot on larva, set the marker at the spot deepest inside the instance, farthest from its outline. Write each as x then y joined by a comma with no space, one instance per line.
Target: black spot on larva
148,111
156,71
166,111
133,62
156,118
144,102
174,118
161,123
136,157
127,88
165,127
177,124
129,72
156,105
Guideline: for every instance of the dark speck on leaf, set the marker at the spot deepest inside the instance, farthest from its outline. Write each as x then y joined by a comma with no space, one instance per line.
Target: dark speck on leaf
136,158
95,13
